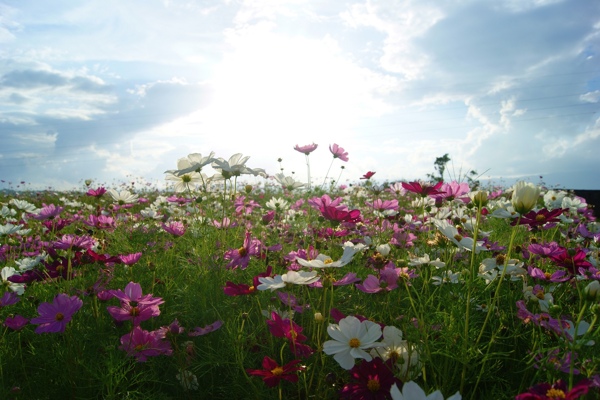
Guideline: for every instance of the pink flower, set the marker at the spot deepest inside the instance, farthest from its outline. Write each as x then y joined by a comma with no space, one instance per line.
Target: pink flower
309,148
142,344
49,211
241,257
338,152
175,228
55,316
96,192
272,373
423,190
134,307
130,259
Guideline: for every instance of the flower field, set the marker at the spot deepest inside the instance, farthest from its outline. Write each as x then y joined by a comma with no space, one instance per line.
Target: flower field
217,289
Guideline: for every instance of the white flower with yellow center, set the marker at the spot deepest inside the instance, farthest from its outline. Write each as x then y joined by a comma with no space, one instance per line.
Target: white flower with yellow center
351,338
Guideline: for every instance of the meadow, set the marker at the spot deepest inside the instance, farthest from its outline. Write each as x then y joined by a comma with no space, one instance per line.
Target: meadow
218,289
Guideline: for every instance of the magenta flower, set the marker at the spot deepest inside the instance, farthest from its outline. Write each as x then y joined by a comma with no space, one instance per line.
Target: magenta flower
309,148
558,390
16,323
572,260
100,222
96,192
74,242
49,211
335,214
338,152
55,316
9,298
543,218
134,307
142,344
241,257
557,276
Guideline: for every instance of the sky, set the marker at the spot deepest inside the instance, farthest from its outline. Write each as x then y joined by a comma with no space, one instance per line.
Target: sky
118,90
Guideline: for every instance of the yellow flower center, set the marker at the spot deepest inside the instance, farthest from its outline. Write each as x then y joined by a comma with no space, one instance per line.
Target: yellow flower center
134,312
328,261
555,394
242,251
354,343
277,371
500,258
540,295
373,385
540,218
547,275
186,178
458,237
59,316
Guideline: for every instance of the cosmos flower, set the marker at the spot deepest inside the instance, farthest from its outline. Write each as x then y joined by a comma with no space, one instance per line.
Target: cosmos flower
142,344
370,380
307,149
55,316
412,391
123,197
272,373
558,390
351,337
524,196
338,152
423,190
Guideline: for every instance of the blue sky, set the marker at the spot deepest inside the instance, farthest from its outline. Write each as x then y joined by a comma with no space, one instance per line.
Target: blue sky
118,90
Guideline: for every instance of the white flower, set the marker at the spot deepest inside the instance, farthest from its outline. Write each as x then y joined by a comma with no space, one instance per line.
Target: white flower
322,261
452,233
351,338
24,206
447,277
573,204
293,277
18,288
188,380
186,182
525,196
277,203
383,249
123,197
553,199
6,212
288,182
412,391
27,263
235,166
192,163
426,260
394,347
9,229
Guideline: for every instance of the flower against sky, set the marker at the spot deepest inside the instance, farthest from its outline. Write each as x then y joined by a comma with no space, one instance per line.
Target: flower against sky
123,197
368,175
55,316
307,149
186,182
288,182
424,189
351,338
194,162
412,391
338,152
272,373
524,196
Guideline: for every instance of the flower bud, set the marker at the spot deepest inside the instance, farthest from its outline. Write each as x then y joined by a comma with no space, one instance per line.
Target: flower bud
524,197
319,317
479,198
592,291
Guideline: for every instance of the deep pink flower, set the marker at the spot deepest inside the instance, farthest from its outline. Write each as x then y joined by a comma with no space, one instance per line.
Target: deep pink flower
142,344
368,175
307,149
338,152
319,202
556,276
454,190
370,380
55,316
546,249
423,190
74,242
272,373
558,390
285,328
100,222
572,260
334,214
383,205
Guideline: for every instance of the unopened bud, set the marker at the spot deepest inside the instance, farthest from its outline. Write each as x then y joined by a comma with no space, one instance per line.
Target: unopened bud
592,291
319,317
